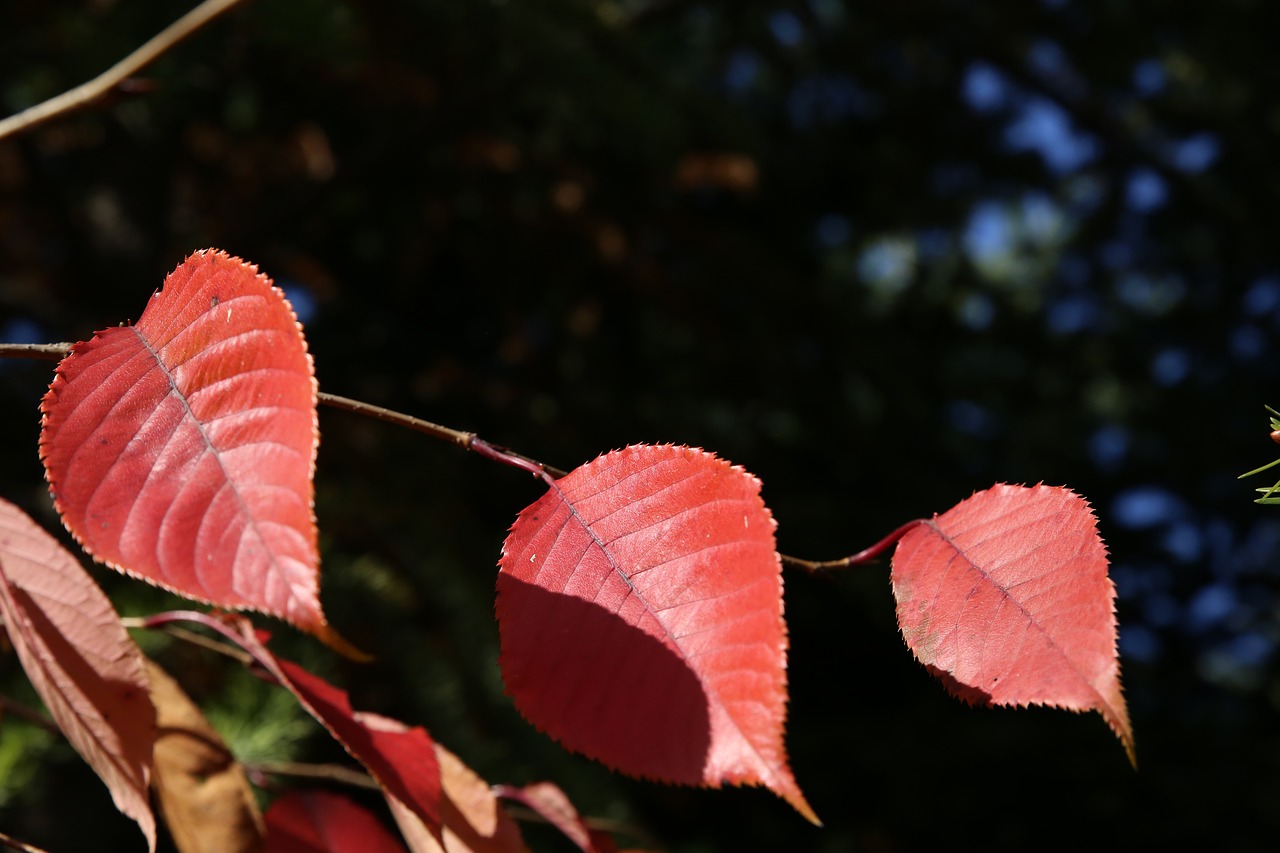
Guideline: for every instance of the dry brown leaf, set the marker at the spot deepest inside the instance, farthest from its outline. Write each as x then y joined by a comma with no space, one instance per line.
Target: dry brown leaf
204,794
473,819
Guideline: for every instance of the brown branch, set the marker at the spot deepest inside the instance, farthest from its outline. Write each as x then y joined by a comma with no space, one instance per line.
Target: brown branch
47,352
104,83
815,567
471,441
465,440
458,437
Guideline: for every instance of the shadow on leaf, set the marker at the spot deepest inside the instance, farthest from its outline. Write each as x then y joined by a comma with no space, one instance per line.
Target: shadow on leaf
602,686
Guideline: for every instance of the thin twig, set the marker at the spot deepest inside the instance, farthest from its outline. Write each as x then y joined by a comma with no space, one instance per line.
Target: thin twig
330,772
165,619
46,352
465,440
471,441
87,93
458,437
31,715
179,633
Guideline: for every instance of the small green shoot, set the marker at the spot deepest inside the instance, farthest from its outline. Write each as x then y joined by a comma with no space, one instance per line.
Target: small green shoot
1269,495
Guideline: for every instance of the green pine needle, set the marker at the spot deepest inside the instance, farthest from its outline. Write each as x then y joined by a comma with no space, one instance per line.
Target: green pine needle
1269,496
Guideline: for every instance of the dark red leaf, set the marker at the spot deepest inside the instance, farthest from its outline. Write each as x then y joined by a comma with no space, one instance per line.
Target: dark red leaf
320,822
1007,596
181,449
80,660
640,612
401,758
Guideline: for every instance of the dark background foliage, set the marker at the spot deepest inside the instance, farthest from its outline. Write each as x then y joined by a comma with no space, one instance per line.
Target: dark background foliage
881,255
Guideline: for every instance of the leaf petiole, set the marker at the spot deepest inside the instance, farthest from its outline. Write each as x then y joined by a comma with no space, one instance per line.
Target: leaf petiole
161,621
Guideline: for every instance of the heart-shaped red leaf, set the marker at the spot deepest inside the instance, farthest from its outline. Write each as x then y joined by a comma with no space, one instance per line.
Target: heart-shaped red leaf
181,449
1006,597
640,612
80,660
320,822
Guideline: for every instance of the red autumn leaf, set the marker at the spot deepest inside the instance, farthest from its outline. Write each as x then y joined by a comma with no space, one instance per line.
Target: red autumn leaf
80,660
320,822
472,819
640,613
181,449
1006,597
402,759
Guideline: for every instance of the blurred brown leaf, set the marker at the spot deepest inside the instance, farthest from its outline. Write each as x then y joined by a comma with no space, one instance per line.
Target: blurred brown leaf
717,170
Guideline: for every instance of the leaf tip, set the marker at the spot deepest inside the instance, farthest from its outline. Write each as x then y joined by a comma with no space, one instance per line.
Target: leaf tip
797,801
1118,720
325,633
1130,751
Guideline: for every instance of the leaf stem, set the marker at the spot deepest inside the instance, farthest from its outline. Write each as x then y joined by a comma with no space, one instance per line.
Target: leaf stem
87,93
47,352
160,621
498,453
178,633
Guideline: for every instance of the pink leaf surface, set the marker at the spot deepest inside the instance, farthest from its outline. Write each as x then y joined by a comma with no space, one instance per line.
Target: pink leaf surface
320,822
640,613
472,819
80,660
401,758
1006,597
181,449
